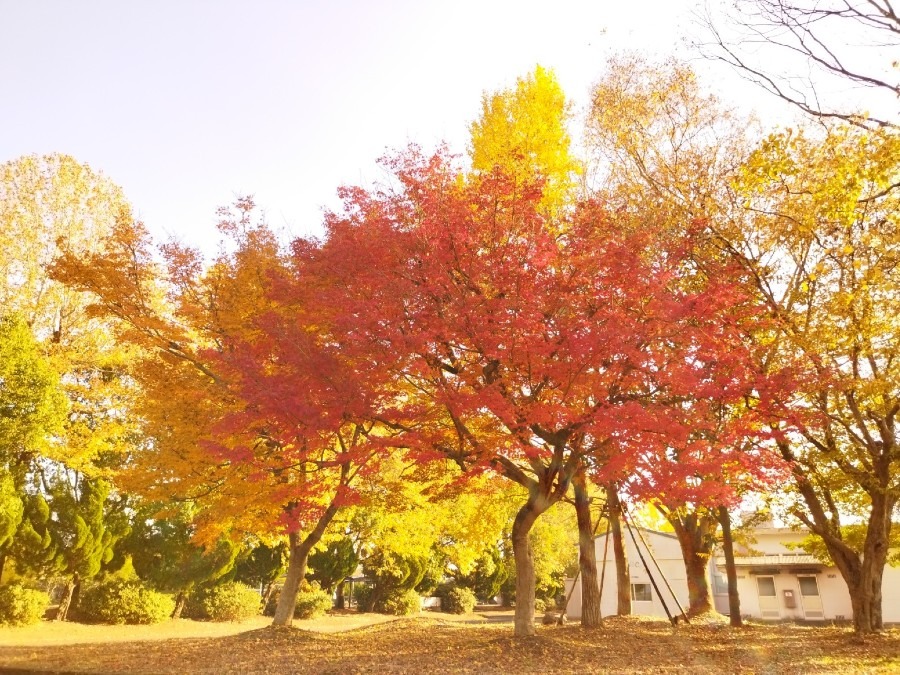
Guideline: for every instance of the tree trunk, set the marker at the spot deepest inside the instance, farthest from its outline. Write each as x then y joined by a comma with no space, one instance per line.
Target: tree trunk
180,599
862,571
587,557
734,600
339,598
267,594
877,600
623,576
296,571
525,518
864,574
696,535
76,594
298,557
63,610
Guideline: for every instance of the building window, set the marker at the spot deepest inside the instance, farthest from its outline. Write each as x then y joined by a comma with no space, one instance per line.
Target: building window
766,586
720,583
641,593
808,586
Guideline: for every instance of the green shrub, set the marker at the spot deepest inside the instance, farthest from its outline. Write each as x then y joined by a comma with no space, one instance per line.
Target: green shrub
397,602
20,606
400,603
362,595
458,600
230,602
312,601
125,602
540,606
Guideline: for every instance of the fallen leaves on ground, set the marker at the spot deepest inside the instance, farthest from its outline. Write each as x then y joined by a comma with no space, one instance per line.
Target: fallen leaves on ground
435,645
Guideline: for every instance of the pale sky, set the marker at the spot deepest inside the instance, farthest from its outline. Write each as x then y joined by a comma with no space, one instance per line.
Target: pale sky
186,104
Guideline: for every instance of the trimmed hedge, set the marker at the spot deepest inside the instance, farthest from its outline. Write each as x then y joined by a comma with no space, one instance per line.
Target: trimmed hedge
459,600
229,602
124,602
21,606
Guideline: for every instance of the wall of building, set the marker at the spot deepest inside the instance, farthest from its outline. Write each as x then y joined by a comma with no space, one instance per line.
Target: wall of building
834,598
667,553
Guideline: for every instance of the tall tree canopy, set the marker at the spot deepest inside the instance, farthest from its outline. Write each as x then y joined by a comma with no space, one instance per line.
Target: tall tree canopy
523,130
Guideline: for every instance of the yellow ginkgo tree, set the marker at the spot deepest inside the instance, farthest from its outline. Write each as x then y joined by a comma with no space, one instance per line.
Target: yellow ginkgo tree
523,132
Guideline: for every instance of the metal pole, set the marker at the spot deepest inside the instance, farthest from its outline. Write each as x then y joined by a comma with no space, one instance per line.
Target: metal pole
647,569
665,580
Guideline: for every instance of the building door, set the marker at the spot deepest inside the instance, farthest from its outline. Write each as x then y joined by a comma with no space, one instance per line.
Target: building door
768,598
809,596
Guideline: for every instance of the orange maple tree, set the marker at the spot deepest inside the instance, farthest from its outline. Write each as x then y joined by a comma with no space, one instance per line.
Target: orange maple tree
250,408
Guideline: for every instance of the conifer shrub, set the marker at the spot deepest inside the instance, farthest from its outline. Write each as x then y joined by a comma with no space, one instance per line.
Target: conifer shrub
362,595
124,602
21,606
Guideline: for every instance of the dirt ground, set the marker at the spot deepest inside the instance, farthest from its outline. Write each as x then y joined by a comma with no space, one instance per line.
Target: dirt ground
428,644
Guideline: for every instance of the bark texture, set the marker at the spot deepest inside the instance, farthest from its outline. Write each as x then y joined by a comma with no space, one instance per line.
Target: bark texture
696,535
525,519
734,599
863,570
587,557
66,602
180,600
297,560
623,576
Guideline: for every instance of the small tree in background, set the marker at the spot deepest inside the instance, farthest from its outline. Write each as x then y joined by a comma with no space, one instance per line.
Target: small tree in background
165,557
79,526
260,566
331,565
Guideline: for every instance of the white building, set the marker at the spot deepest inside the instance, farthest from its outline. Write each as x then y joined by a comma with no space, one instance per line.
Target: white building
774,581
646,599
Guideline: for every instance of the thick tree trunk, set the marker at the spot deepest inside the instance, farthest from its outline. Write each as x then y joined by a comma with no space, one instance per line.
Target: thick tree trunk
298,557
623,576
180,600
63,610
734,600
864,576
698,584
76,594
875,553
525,580
587,557
696,536
296,571
877,600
